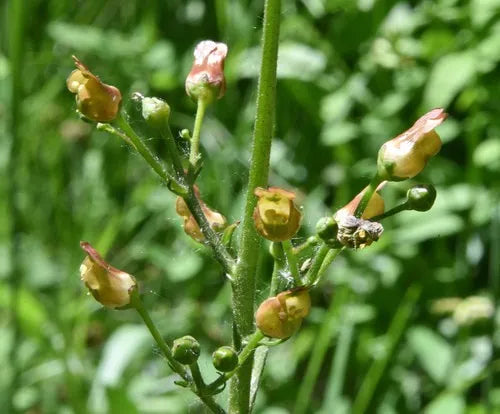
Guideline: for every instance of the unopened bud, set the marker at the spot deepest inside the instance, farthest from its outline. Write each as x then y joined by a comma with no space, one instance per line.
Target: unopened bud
94,99
186,350
109,286
406,155
225,359
156,112
276,217
216,220
281,316
327,229
358,233
421,197
206,80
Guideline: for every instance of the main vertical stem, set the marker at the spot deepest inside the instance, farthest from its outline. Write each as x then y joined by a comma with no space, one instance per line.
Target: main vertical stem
245,275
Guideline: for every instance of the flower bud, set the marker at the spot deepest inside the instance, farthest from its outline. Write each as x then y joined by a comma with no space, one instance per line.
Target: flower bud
358,233
186,350
216,220
276,217
327,229
374,208
421,197
281,316
225,359
109,286
406,155
206,80
156,112
94,99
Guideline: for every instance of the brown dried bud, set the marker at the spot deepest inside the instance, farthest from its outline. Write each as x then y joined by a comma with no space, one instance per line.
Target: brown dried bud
374,208
216,220
109,286
276,217
206,80
406,155
358,233
281,316
94,99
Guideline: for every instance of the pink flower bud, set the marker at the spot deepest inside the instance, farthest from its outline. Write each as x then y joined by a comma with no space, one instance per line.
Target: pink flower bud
109,286
276,217
406,155
206,79
94,99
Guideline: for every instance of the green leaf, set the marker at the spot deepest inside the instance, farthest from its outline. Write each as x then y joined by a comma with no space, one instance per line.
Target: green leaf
447,403
433,353
448,77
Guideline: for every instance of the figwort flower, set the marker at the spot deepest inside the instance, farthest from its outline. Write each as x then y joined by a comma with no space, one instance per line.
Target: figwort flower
276,217
216,220
94,99
281,316
109,286
406,155
206,80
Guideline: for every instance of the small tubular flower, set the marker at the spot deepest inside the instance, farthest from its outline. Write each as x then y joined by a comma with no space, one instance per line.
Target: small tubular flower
94,99
406,155
276,217
216,220
281,316
110,286
374,208
206,79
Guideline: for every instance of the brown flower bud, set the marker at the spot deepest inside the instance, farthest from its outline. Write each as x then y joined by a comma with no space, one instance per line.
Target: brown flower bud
206,80
406,155
375,207
358,233
281,316
216,220
94,99
276,217
109,286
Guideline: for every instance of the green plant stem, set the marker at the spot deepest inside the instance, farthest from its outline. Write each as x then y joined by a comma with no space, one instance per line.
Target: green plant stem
372,187
321,344
317,263
146,153
391,212
245,276
220,252
278,267
187,191
136,302
195,382
195,139
292,262
201,390
394,333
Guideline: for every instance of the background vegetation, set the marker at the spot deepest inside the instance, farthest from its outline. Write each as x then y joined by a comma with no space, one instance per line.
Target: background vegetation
351,75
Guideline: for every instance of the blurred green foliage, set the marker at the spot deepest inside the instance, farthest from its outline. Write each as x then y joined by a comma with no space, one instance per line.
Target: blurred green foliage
352,74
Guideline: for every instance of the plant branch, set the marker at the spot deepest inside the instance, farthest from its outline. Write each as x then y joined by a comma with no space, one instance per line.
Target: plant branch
185,189
195,139
244,283
372,187
292,262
